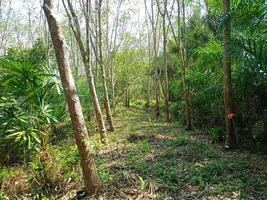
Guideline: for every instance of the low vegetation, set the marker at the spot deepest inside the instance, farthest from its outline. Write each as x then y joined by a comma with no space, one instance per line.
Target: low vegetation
140,99
145,158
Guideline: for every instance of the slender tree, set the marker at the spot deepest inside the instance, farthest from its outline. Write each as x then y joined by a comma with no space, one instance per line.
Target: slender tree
184,58
154,19
163,13
101,64
86,56
91,179
180,41
112,48
228,104
149,66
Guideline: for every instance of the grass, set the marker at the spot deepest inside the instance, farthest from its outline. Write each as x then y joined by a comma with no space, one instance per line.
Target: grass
189,167
146,156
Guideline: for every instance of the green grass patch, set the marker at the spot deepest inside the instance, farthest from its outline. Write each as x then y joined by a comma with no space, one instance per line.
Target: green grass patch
229,175
181,140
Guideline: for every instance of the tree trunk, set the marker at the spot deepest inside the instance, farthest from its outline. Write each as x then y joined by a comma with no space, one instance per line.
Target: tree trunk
157,108
229,112
86,56
128,99
98,113
107,102
148,93
184,63
113,88
166,93
153,18
163,14
91,179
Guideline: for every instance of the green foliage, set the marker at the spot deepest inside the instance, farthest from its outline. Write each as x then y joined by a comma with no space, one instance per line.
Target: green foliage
204,75
29,101
201,150
3,197
179,141
259,133
235,173
215,172
104,175
216,134
131,73
139,150
4,175
46,176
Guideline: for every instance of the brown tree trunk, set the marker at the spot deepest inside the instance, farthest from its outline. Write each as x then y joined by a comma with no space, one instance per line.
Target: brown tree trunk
153,18
86,56
229,111
113,89
148,93
127,98
166,93
183,52
107,102
98,113
157,108
91,179
163,14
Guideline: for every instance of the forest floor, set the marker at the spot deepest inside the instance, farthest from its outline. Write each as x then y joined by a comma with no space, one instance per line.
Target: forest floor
147,158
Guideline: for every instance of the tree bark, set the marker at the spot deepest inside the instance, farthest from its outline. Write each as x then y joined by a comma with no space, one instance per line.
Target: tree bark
229,111
163,14
91,179
106,101
157,108
86,56
167,109
184,63
153,18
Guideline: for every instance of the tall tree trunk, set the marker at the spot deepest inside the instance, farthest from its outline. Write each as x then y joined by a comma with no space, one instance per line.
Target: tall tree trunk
96,39
163,14
183,52
86,56
91,179
147,106
107,102
166,93
229,111
98,113
153,18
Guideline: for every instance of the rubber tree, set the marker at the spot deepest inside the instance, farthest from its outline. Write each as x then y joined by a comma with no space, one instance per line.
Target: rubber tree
163,13
180,41
86,57
185,61
102,66
154,19
91,178
228,104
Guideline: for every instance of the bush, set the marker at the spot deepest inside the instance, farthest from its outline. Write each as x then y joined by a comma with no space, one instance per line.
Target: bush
259,133
216,134
30,102
46,177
